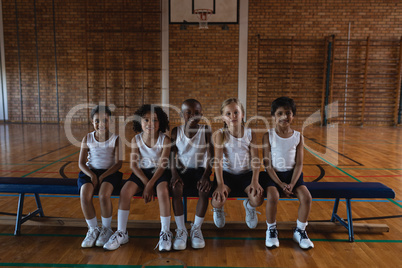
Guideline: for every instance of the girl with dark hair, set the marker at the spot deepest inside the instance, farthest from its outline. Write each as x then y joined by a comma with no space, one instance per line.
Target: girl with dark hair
149,162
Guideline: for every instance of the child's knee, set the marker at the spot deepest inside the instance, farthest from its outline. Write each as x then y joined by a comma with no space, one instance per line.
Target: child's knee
203,195
256,201
304,195
125,195
86,192
272,199
217,204
272,196
104,197
162,192
177,191
306,199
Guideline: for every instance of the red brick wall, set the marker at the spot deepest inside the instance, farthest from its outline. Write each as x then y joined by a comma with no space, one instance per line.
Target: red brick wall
107,33
203,63
314,20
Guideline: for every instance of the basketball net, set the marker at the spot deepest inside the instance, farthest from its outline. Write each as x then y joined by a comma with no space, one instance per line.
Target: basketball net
203,16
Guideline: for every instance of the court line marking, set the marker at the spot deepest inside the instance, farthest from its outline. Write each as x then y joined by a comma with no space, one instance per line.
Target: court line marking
45,166
52,151
341,170
326,147
374,168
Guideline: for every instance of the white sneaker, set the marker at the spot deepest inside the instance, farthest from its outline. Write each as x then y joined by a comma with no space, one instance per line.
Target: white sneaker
197,240
219,217
300,236
180,241
104,236
271,239
251,215
116,240
165,241
90,238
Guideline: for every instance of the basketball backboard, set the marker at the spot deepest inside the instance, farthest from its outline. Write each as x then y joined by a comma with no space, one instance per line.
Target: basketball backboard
223,11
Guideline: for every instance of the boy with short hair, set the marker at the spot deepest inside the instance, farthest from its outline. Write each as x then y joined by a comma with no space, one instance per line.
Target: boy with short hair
191,169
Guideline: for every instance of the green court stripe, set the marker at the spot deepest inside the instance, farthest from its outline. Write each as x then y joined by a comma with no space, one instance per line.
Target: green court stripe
356,179
390,200
396,203
223,238
374,168
49,164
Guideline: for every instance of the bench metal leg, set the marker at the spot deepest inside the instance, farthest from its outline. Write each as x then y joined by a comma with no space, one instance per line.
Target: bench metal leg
336,204
18,220
39,205
350,220
349,224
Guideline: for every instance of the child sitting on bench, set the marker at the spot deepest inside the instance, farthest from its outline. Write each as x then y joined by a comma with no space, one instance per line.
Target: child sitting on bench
149,162
283,161
99,163
191,153
237,164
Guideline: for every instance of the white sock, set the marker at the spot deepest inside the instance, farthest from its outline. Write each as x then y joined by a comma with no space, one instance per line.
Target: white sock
198,220
269,225
249,206
92,223
301,225
107,222
165,222
180,222
122,218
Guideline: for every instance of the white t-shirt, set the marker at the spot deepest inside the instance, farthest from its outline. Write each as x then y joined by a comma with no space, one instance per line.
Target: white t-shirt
236,152
101,155
149,156
192,153
283,150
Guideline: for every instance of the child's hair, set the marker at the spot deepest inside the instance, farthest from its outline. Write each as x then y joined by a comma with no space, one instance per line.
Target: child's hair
190,101
283,102
229,101
100,108
148,108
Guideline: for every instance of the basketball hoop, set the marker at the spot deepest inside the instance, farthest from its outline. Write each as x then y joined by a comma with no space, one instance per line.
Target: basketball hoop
203,15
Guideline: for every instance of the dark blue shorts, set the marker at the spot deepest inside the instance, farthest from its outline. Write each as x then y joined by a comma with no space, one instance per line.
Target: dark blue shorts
190,177
239,182
114,179
149,172
286,177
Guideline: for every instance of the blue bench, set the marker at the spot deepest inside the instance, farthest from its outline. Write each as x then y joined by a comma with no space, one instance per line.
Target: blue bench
337,190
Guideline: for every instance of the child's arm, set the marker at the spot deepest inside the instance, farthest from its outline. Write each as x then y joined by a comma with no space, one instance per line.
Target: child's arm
204,184
82,162
268,163
255,187
173,154
220,192
299,163
149,194
135,162
117,164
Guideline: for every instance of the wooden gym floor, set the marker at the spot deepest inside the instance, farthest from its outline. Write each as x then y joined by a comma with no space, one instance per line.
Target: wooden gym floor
365,154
